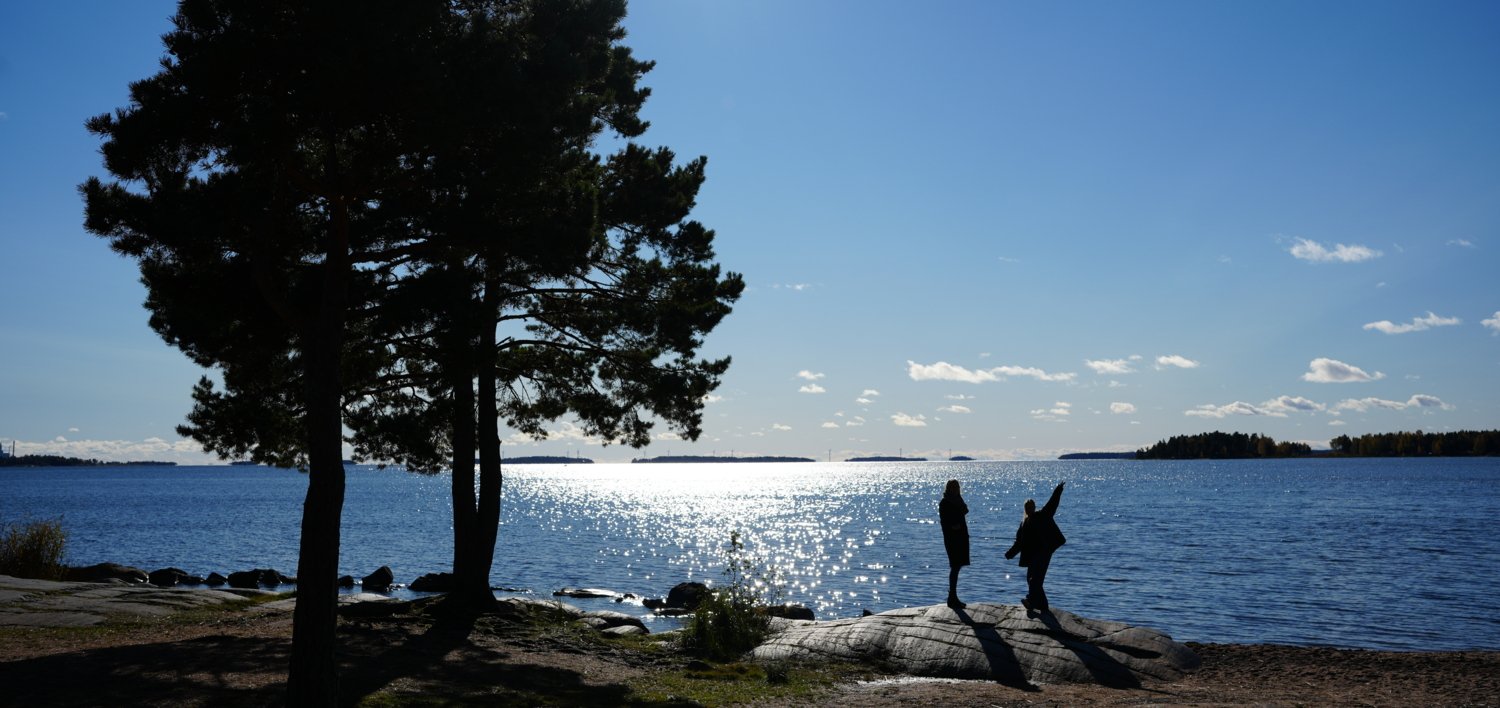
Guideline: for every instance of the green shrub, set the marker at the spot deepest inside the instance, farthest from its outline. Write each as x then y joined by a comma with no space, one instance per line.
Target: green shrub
33,550
728,622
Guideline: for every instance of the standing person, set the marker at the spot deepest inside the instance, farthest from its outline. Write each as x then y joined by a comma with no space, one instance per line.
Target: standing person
951,513
1036,539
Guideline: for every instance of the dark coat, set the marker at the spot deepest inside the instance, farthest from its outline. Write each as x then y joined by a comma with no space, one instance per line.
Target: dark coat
1038,534
951,513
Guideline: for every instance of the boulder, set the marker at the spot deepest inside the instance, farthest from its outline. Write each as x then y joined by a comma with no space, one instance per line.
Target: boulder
172,577
215,580
683,596
789,611
608,619
105,572
380,580
433,582
346,581
584,593
259,577
990,642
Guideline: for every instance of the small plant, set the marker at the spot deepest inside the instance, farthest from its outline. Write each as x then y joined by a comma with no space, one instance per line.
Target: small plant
729,622
33,550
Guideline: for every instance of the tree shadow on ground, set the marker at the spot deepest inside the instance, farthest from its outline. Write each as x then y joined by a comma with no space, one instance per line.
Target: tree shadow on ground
218,671
445,665
436,664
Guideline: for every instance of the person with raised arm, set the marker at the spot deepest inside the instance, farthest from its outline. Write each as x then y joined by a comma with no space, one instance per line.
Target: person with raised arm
1037,539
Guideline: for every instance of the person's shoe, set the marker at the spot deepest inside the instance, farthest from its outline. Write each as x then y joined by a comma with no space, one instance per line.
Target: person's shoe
1026,603
956,603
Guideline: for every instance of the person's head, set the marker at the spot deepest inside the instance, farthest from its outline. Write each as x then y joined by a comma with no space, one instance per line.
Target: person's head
1030,506
952,488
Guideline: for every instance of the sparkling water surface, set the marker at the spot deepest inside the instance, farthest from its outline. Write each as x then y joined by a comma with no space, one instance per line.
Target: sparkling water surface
1371,553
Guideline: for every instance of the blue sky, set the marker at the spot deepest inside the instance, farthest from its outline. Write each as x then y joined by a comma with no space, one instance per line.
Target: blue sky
1000,229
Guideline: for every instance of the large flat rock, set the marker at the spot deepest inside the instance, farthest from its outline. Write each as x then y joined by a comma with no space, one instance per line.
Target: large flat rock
990,642
26,602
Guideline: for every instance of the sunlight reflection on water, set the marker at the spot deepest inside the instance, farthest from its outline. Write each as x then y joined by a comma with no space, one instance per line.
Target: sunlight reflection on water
1367,553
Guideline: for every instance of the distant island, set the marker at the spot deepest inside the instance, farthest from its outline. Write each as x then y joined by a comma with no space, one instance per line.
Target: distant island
712,458
1234,446
547,460
886,459
1097,456
60,461
1221,446
960,458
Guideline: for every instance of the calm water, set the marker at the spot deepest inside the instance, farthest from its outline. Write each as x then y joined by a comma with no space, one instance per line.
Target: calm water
1390,554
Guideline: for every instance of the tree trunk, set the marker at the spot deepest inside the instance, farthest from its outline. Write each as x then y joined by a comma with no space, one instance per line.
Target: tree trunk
463,481
487,517
312,677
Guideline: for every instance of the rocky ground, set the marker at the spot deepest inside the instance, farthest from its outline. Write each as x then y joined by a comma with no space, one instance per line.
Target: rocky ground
237,656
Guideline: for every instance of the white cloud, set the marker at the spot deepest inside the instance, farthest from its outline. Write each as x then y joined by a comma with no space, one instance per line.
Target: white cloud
153,448
1180,362
1315,252
1287,404
829,424
779,426
1336,421
870,392
943,371
1420,400
1325,370
1056,414
904,420
863,401
855,422
812,388
960,397
1417,324
1229,409
1109,366
1493,322
797,287
711,398
1461,242
808,375
955,409
1278,407
1121,408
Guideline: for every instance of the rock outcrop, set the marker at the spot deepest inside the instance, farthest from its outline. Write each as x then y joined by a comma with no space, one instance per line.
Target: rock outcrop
259,578
105,572
992,642
681,599
434,582
378,581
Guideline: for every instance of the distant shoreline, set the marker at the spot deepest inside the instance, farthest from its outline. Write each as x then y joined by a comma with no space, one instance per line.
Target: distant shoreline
60,461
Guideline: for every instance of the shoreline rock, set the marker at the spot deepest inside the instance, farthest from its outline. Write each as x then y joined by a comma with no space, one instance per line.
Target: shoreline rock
1002,643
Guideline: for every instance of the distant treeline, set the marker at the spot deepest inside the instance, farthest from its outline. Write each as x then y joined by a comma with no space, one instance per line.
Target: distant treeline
1221,446
547,460
1463,443
707,458
60,461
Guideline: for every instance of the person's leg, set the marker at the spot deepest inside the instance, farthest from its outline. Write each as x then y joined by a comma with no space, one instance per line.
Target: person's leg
953,587
1036,576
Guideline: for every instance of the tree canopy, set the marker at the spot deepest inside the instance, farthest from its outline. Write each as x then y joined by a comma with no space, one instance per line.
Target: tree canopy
395,224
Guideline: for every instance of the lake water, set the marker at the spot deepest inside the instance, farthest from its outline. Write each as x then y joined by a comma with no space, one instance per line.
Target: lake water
1371,553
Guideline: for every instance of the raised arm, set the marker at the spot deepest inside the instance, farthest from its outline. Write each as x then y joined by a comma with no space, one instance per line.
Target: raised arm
1051,507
